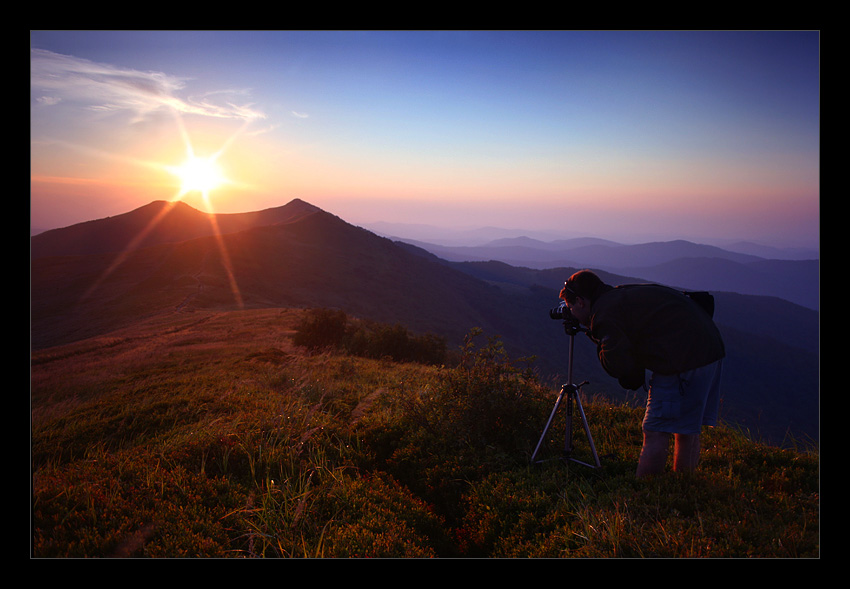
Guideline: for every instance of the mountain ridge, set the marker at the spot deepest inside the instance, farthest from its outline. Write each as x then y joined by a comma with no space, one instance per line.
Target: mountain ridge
155,223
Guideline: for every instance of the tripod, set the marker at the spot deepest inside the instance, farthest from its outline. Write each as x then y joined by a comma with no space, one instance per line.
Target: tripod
571,391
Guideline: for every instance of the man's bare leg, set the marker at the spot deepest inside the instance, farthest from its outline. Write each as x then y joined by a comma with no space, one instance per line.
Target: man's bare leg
686,452
653,455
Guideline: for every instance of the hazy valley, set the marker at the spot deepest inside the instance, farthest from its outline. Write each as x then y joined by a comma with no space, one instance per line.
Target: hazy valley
85,282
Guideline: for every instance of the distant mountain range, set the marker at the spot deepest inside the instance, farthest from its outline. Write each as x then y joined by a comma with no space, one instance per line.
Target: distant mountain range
541,239
678,263
96,277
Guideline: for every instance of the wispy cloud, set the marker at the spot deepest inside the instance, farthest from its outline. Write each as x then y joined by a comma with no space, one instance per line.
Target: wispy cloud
56,78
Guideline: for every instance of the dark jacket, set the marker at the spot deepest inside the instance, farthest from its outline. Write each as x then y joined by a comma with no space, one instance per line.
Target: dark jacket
650,327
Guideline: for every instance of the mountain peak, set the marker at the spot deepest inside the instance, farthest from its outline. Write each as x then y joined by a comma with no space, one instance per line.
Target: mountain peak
157,222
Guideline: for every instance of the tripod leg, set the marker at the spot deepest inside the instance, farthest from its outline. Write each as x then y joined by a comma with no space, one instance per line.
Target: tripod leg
587,431
548,423
568,434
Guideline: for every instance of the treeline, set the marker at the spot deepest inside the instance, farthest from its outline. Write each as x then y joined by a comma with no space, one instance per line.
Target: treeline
324,329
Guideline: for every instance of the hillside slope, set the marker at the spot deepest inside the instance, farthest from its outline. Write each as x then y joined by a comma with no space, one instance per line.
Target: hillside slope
315,260
210,434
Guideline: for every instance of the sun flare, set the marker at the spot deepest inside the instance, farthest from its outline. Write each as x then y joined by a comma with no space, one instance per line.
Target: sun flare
199,174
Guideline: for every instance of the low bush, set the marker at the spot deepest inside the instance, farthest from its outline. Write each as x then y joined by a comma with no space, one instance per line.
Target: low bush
331,329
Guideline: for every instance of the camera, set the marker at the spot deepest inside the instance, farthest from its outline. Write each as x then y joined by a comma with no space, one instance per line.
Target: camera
562,312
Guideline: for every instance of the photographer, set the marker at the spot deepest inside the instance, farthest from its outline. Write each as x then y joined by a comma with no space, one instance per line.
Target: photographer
651,327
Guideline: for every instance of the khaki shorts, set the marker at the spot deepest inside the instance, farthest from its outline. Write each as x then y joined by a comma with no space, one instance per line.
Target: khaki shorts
683,403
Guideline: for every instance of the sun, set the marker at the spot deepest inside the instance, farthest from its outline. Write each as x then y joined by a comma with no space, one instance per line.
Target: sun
201,174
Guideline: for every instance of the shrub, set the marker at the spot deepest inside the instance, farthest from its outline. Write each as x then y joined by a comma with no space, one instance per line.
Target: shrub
332,329
486,402
321,329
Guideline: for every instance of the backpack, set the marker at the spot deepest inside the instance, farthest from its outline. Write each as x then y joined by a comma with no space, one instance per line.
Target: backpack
704,299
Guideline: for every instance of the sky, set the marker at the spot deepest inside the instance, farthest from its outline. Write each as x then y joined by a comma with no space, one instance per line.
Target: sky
634,136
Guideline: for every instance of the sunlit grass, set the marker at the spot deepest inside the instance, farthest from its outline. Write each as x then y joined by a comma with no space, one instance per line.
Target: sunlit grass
212,435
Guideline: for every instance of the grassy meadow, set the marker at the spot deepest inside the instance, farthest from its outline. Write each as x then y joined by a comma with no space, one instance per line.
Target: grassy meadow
246,434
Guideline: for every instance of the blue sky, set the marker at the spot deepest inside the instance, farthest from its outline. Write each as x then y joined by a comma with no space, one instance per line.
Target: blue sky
627,135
